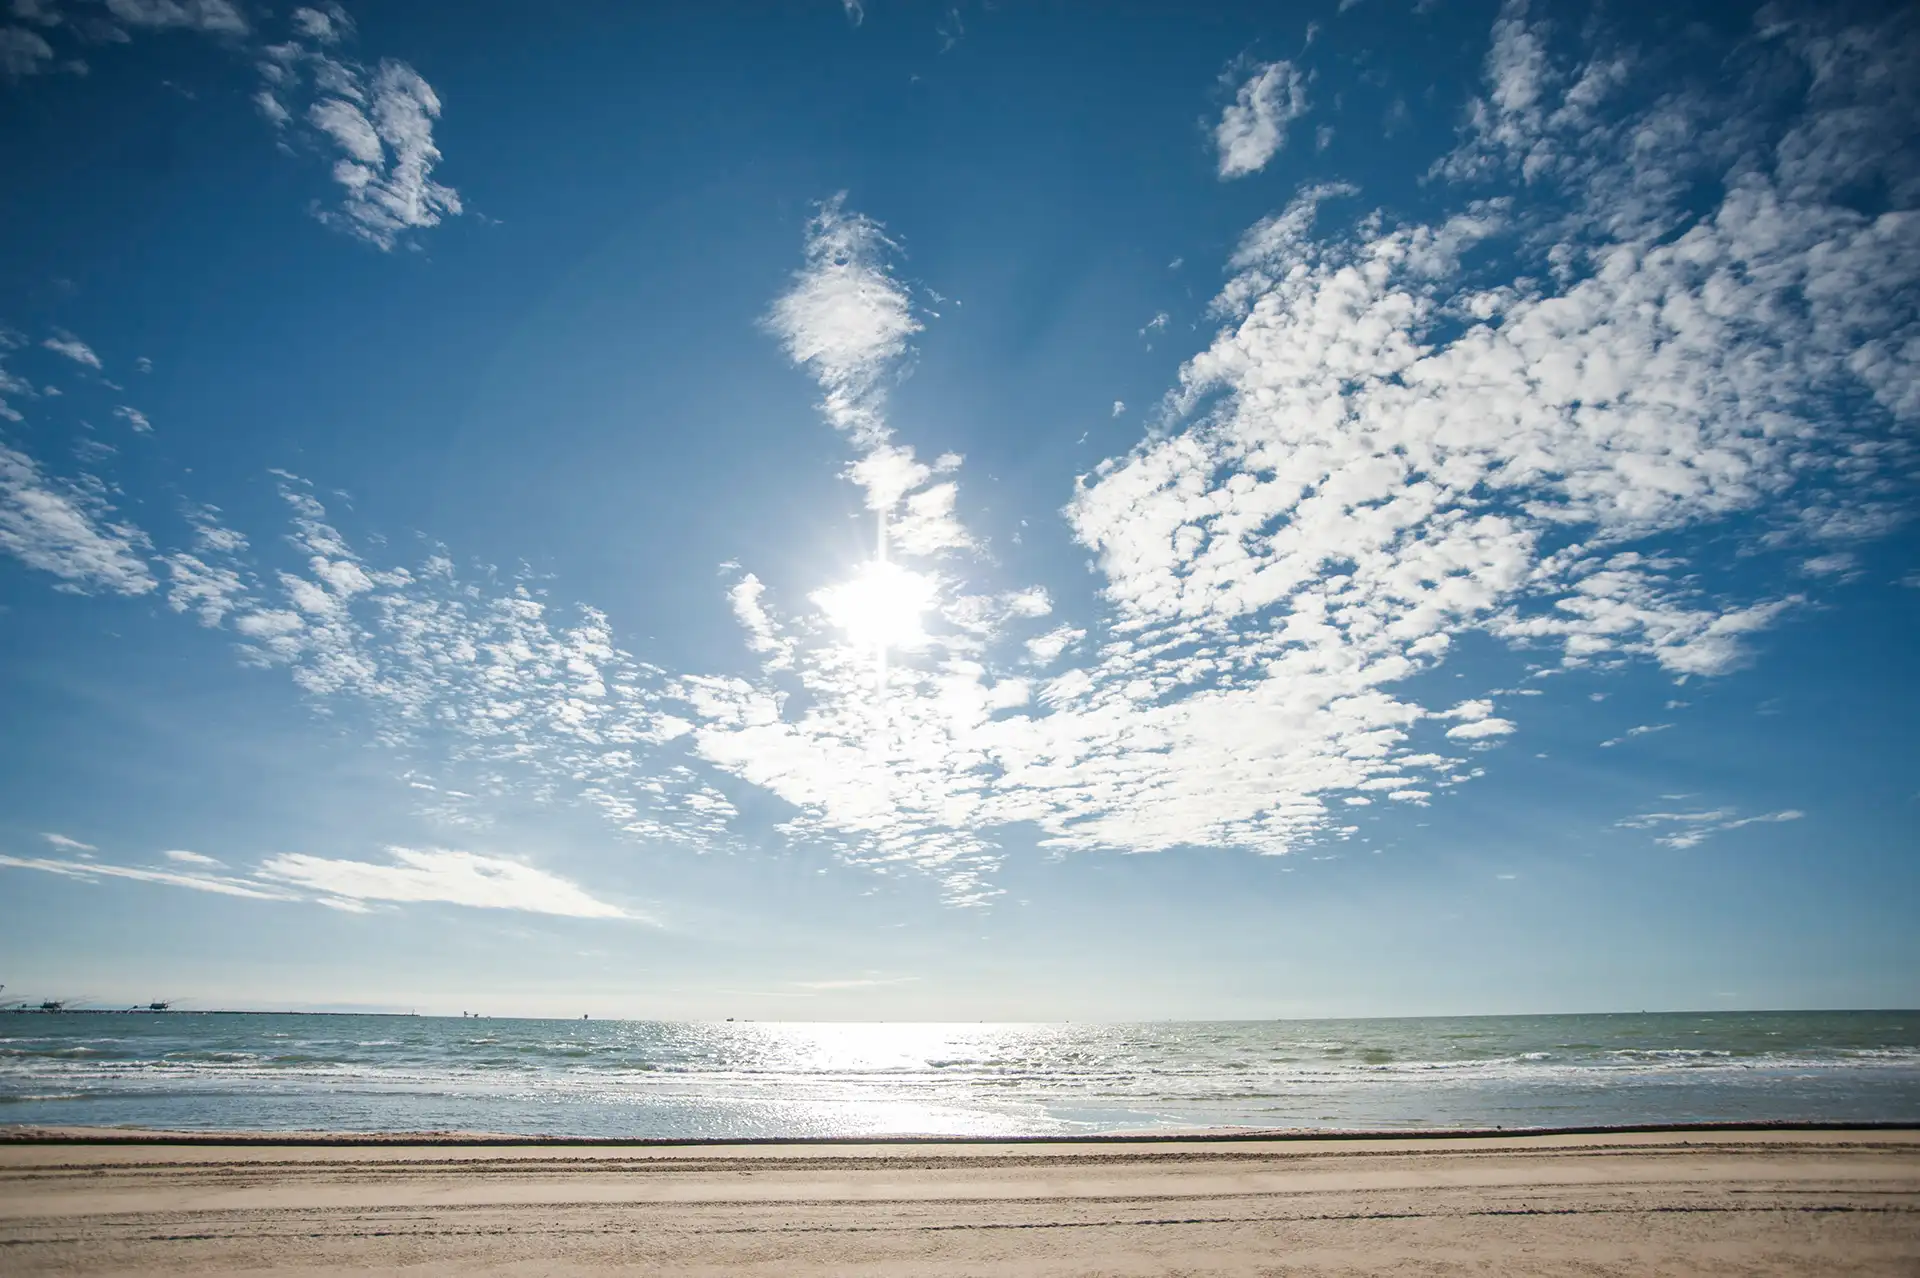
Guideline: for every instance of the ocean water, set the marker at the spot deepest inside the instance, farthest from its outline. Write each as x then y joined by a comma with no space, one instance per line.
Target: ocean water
188,1070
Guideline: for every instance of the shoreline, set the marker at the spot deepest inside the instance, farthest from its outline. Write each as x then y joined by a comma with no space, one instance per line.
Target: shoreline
45,1134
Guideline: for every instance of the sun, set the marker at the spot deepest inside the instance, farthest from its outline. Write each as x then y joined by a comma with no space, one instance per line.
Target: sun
880,607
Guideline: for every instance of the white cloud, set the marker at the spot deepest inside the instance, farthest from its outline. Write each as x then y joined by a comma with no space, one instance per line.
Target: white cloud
1119,407
846,319
457,878
856,983
218,17
1513,420
270,106
1639,731
190,858
1682,830
134,418
1253,128
1045,649
387,171
1401,433
1829,565
1479,730
66,844
23,52
68,529
323,26
73,348
94,871
379,119
46,13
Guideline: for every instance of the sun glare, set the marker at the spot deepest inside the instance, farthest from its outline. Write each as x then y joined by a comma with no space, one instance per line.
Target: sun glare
880,606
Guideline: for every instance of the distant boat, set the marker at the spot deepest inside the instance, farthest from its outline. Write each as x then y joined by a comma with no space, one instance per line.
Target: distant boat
54,1005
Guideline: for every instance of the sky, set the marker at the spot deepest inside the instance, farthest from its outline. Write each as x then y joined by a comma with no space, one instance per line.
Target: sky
916,512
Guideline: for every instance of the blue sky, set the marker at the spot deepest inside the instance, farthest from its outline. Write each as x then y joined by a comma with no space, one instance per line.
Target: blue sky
917,511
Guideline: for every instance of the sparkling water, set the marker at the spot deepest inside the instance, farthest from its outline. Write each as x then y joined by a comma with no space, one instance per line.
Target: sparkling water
207,1070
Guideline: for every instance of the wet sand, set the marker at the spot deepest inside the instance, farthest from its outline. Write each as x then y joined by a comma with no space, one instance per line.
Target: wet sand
1775,1202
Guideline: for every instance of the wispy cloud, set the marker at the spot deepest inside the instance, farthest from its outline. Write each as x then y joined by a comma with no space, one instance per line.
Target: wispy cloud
93,871
456,878
328,25
73,348
23,52
185,857
66,844
1682,830
847,320
1253,127
1640,730
856,983
411,876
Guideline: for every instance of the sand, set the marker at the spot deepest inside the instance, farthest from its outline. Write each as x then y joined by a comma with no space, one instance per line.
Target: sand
1667,1203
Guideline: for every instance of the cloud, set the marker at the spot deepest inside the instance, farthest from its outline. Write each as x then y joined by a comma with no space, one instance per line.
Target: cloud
73,348
457,878
1684,830
385,132
68,529
856,13
323,26
856,983
23,52
379,120
94,871
846,319
66,844
1639,731
1480,730
1119,407
134,418
503,689
1621,355
1495,420
1253,128
217,17
190,858
1830,565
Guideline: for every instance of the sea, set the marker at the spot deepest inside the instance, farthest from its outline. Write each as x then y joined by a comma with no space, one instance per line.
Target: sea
185,1070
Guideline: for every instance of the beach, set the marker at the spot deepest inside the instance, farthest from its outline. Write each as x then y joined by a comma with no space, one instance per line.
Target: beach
1671,1202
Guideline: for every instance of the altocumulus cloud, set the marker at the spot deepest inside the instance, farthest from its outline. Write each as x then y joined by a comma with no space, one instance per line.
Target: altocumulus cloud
1253,127
1628,319
377,121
